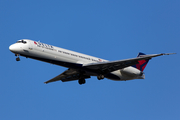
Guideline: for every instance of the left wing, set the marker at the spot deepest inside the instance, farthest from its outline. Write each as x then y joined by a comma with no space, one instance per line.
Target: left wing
106,67
101,67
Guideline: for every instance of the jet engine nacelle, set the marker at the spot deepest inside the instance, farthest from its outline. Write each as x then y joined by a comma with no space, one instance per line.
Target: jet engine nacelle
131,71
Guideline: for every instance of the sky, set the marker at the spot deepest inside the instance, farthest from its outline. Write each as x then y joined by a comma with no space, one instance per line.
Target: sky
108,29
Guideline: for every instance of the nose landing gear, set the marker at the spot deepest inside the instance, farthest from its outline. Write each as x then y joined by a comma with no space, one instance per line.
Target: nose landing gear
17,59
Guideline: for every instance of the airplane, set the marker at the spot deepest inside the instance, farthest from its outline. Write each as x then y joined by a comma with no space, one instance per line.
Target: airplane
81,66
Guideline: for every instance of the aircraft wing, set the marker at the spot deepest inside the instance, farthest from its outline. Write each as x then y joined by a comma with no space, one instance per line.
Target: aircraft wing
102,67
106,67
68,75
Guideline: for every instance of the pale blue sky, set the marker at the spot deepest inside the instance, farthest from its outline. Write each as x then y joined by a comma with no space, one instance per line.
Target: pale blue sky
109,29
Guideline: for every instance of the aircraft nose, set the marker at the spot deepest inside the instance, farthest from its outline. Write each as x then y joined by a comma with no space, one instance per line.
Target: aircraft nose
13,48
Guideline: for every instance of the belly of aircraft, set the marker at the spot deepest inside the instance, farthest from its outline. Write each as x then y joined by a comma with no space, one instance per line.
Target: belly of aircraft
112,76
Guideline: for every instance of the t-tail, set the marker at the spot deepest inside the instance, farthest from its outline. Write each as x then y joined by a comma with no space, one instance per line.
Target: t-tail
142,63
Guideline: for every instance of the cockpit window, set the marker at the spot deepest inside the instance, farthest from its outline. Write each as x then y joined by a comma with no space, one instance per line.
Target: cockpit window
21,41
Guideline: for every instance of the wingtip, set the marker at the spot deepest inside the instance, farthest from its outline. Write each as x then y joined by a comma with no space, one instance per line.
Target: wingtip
169,53
45,82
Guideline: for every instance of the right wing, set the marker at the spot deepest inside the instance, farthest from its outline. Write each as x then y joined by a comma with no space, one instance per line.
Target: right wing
68,75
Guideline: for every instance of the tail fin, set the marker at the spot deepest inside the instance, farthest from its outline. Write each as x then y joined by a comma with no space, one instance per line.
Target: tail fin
142,63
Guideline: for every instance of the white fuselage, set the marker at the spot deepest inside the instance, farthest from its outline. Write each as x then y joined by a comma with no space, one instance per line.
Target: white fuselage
69,59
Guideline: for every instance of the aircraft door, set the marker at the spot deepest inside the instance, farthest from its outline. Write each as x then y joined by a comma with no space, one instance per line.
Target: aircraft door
30,45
